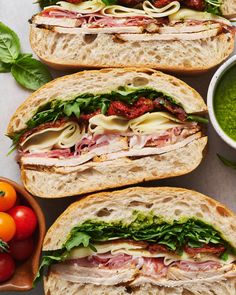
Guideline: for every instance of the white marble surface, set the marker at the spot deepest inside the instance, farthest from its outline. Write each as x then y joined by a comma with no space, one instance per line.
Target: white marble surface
211,177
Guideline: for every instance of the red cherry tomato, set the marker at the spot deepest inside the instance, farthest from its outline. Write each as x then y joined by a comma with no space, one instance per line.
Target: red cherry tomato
7,196
21,249
25,220
7,267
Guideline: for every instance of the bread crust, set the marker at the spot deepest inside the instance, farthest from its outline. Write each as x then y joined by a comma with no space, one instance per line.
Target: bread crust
56,285
55,182
106,51
81,83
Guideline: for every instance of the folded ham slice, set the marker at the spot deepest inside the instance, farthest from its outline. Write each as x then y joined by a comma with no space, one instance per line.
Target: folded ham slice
107,153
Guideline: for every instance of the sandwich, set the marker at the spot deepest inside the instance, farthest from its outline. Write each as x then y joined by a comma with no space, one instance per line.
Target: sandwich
178,36
101,129
157,240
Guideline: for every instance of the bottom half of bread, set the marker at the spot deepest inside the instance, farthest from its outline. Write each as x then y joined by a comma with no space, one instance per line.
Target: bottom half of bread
55,285
61,51
56,182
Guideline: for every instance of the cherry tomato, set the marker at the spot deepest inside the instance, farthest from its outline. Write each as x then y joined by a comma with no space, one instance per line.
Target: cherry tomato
7,227
21,249
7,196
25,220
7,267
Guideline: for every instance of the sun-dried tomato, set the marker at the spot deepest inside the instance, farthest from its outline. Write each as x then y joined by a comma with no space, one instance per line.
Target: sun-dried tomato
141,106
213,249
86,117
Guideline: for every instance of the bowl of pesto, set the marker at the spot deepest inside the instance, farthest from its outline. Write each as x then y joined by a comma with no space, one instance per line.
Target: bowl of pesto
221,101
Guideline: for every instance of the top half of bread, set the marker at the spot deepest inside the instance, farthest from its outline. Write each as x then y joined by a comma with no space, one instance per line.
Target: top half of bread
167,202
104,81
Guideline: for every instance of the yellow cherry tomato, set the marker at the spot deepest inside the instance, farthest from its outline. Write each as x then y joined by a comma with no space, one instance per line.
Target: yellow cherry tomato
7,227
7,196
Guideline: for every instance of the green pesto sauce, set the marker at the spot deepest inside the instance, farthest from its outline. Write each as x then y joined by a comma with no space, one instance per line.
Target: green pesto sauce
225,102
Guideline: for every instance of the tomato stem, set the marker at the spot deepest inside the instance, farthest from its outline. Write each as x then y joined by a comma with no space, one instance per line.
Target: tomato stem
3,246
2,193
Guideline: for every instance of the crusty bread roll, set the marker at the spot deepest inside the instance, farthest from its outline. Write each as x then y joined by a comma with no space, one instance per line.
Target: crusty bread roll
228,8
54,182
172,204
65,51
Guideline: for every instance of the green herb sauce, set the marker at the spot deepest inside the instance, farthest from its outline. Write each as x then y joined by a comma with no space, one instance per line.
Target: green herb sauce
225,102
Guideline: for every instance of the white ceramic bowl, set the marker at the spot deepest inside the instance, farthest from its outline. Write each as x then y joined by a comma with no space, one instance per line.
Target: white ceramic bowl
210,99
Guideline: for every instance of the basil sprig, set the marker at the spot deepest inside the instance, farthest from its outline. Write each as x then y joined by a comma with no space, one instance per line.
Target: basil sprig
27,71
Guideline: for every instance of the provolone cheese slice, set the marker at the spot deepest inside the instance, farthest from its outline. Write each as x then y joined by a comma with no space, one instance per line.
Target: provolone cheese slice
189,14
145,124
138,251
64,136
100,123
155,12
150,122
121,11
89,6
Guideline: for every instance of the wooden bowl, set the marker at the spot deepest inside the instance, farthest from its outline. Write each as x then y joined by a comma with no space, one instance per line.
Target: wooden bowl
23,278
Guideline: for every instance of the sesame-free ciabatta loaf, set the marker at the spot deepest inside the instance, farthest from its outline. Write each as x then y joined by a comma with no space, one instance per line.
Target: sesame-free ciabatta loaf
101,129
157,240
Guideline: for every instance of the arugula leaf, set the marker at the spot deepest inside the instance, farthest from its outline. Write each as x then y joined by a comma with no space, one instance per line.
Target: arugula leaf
44,3
213,6
175,235
3,246
109,2
30,73
9,44
4,67
77,239
226,162
199,119
47,260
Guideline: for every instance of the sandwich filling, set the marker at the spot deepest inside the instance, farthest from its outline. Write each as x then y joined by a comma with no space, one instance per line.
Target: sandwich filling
124,123
147,250
159,20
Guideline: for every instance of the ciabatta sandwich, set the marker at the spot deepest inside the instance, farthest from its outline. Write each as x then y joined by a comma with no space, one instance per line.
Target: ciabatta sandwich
165,241
101,129
183,36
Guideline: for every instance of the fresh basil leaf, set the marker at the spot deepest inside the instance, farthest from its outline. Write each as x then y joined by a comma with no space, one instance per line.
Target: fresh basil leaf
3,246
24,55
9,44
77,239
30,73
5,68
199,119
227,162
